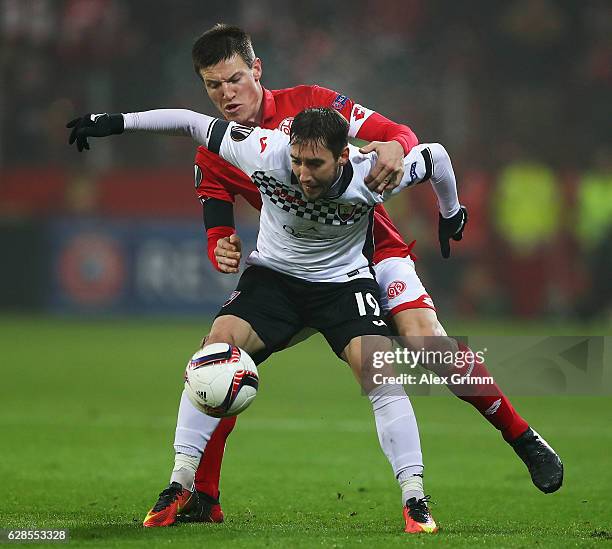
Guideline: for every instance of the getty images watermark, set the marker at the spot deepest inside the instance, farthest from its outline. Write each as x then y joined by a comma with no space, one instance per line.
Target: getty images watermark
521,365
458,365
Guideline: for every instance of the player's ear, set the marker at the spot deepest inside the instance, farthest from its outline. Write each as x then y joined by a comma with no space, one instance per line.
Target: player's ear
257,69
344,156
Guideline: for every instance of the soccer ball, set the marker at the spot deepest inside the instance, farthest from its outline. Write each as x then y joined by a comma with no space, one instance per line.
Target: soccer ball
221,380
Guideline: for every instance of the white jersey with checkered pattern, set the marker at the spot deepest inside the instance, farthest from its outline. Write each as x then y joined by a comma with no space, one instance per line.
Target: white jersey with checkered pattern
325,240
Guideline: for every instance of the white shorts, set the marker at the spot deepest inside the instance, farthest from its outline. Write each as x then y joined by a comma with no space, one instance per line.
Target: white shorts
400,286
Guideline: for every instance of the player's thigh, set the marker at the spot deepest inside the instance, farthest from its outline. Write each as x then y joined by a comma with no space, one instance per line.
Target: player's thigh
262,302
401,288
343,311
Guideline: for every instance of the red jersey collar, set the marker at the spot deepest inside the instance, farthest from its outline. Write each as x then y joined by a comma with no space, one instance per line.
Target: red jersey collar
268,106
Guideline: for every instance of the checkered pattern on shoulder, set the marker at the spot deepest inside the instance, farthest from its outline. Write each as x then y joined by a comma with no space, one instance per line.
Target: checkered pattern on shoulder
322,211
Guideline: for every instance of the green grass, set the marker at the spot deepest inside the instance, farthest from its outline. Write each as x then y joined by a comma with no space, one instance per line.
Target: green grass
87,421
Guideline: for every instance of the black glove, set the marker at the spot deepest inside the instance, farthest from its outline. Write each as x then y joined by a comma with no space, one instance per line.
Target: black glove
93,125
451,228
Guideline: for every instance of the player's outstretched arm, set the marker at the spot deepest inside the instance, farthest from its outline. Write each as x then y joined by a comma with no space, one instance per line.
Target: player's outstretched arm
430,161
227,139
180,122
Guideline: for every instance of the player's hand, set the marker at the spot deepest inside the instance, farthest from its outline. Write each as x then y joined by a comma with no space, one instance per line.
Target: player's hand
93,125
228,253
451,228
389,168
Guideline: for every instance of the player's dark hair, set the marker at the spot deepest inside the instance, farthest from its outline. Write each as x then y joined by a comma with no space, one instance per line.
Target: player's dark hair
220,43
321,126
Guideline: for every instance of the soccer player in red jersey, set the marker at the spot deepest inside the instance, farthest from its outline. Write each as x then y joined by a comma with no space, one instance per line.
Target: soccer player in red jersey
225,61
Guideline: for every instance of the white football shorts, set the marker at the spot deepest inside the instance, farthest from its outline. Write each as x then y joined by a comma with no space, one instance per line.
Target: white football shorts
400,286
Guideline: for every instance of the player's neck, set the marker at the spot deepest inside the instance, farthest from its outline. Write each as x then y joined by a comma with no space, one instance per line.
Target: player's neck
333,188
259,116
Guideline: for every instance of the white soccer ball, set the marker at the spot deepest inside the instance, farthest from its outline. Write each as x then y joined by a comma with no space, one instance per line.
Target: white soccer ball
221,380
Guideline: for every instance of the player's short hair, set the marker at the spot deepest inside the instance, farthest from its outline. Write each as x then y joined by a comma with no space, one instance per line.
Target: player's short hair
220,43
323,126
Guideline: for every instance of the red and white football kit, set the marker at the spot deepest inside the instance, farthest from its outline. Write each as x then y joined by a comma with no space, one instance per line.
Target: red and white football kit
216,179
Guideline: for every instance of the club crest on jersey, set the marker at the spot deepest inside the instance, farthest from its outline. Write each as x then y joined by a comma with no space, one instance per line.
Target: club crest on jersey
240,133
339,102
285,125
232,296
345,211
395,288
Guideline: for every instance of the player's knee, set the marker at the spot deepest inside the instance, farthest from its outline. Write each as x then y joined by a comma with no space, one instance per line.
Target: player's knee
235,331
219,336
223,331
418,322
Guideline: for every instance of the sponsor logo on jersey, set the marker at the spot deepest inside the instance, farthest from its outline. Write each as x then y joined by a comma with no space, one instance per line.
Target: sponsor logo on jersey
240,133
286,197
395,288
311,233
232,296
339,102
285,125
262,142
345,211
197,175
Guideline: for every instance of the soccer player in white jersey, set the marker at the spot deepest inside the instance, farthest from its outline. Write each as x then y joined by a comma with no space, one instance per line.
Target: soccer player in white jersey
312,265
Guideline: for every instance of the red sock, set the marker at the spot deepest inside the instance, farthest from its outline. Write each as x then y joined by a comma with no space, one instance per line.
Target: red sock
489,400
209,470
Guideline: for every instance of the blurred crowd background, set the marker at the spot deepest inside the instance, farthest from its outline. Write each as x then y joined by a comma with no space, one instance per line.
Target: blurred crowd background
519,91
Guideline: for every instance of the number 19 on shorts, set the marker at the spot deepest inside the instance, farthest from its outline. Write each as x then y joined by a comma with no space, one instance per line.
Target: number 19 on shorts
368,302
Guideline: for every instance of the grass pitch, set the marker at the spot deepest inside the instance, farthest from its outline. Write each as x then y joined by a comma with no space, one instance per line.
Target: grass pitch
87,421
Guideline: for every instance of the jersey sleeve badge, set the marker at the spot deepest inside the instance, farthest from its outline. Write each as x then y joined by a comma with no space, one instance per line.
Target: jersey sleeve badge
339,102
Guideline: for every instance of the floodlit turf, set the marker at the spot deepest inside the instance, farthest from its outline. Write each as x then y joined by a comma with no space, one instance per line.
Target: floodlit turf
87,421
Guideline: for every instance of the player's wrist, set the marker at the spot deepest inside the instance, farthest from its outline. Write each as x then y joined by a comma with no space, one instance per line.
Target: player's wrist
116,123
403,143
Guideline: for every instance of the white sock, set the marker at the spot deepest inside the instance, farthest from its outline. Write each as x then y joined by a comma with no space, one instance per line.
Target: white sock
184,470
398,435
411,485
193,431
193,428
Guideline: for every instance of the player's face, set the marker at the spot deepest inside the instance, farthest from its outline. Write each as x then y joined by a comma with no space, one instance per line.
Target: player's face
235,90
316,168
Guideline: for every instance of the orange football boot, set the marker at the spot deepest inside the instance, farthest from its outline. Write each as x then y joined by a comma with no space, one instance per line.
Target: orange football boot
173,500
418,518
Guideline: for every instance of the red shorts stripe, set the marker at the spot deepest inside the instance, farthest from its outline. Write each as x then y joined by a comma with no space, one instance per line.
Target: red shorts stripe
422,302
